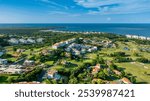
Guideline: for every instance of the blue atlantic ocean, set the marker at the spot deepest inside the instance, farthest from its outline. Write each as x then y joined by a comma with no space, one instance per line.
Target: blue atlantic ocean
117,28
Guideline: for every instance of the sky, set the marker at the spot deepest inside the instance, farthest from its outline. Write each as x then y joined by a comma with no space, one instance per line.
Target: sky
74,11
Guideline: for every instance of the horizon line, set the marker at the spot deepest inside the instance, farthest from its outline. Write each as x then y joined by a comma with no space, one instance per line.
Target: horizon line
80,23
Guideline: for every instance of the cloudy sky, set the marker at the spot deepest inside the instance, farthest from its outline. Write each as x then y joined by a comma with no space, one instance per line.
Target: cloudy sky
74,11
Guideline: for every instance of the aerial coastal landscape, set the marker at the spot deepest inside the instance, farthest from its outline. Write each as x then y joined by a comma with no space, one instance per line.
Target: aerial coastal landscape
48,56
74,42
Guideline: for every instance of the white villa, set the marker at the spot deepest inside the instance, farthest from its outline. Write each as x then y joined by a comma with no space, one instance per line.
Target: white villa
138,37
13,71
148,38
30,40
92,49
28,63
77,49
16,66
63,43
40,40
20,50
13,41
23,41
142,37
129,36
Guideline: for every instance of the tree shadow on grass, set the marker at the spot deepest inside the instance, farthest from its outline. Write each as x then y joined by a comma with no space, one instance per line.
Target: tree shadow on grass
122,69
148,74
142,83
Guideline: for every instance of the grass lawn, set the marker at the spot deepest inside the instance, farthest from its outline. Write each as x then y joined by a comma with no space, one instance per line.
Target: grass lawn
75,62
138,70
57,67
49,62
12,59
88,61
91,55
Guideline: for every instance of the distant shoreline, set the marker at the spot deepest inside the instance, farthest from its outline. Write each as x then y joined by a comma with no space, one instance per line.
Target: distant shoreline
93,32
139,29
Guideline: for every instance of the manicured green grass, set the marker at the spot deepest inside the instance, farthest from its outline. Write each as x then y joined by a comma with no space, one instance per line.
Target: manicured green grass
76,62
91,55
138,70
49,62
12,59
57,67
88,61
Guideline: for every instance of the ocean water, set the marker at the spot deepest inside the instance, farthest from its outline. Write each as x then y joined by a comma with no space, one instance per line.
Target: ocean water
135,29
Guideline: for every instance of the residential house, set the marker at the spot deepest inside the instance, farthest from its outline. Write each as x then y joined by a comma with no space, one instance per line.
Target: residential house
55,46
23,41
63,43
3,66
53,74
71,40
45,52
13,71
63,62
142,37
58,45
129,36
17,66
148,38
83,51
92,49
96,69
20,50
75,52
135,36
68,49
29,63
117,72
3,61
2,69
39,40
13,41
126,80
31,41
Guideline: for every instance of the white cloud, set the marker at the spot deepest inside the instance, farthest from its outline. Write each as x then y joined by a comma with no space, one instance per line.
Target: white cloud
64,13
54,4
115,6
58,13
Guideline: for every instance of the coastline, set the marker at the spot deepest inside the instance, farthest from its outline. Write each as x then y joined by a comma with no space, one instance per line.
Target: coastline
94,32
139,29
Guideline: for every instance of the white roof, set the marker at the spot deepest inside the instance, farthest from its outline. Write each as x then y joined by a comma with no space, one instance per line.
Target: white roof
3,59
1,53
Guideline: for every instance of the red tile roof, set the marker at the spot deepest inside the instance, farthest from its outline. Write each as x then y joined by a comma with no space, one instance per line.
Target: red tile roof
126,80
